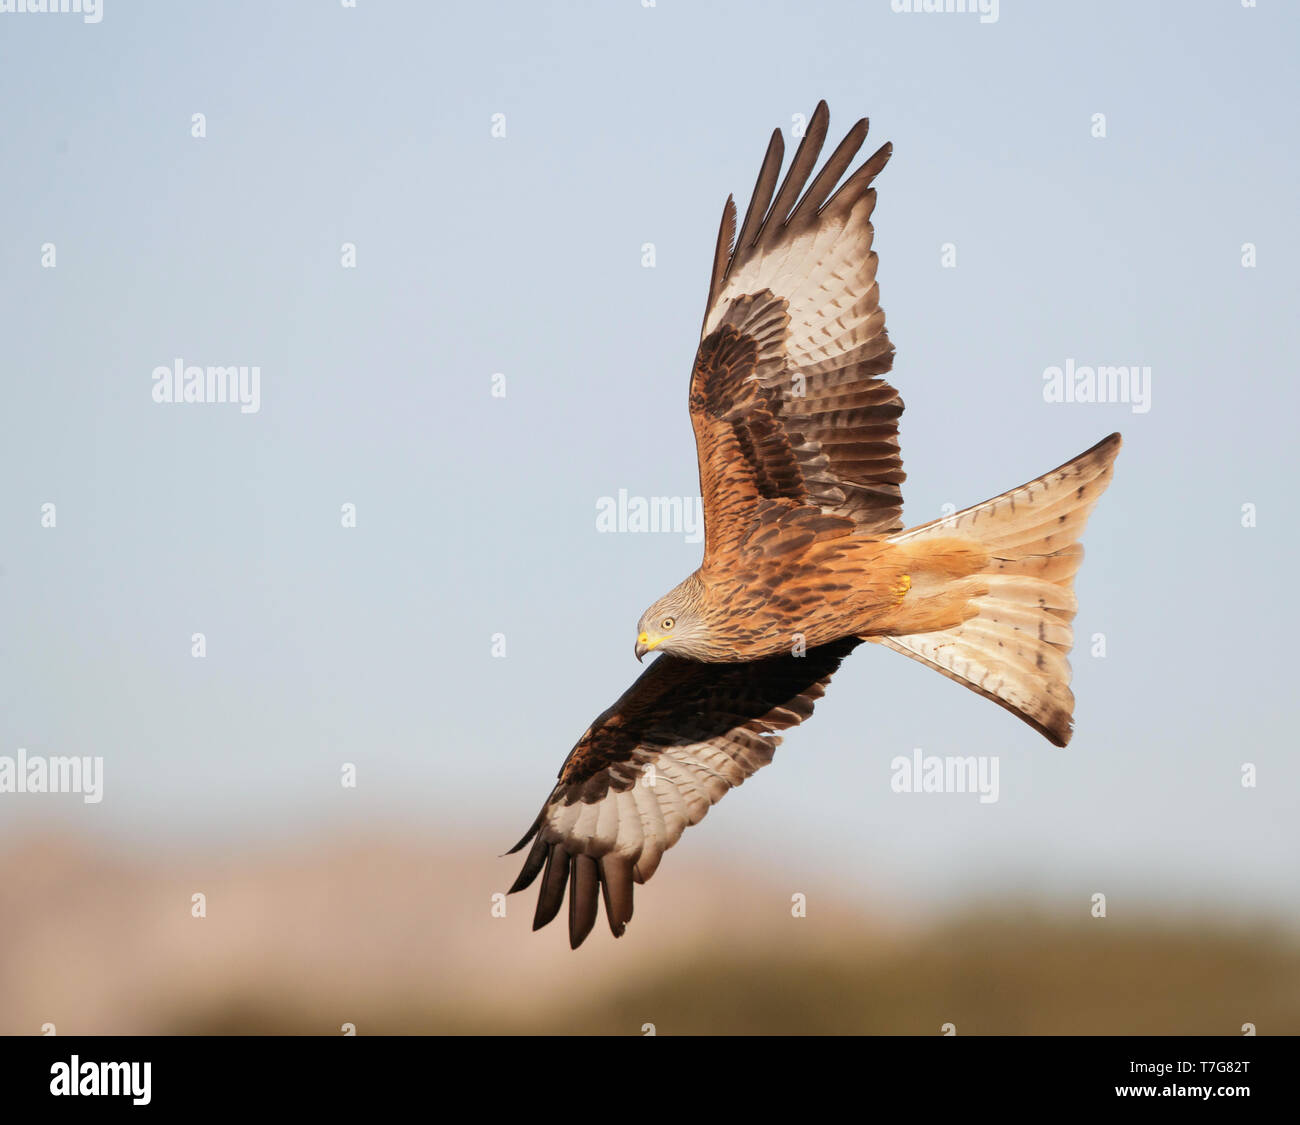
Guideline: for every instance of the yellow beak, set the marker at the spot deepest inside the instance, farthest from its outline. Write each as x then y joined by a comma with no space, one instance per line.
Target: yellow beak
644,644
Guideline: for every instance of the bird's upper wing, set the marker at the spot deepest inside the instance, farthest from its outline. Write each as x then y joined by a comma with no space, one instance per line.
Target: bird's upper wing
679,738
788,400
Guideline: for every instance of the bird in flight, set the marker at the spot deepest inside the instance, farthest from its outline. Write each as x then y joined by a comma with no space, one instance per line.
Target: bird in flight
805,553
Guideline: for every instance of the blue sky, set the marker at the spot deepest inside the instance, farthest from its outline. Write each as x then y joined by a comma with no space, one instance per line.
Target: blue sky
476,515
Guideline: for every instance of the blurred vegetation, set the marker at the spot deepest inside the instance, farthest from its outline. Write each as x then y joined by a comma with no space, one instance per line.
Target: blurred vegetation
1020,975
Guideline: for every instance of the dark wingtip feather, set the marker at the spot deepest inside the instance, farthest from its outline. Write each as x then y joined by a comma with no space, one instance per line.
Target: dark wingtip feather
832,170
616,888
550,897
532,865
528,836
722,253
768,172
583,882
857,185
805,159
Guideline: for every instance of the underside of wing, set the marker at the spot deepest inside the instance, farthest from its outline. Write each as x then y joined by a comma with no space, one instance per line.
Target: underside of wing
680,737
788,396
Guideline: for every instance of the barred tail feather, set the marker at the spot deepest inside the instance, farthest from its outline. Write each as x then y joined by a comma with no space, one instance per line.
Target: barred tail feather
1014,648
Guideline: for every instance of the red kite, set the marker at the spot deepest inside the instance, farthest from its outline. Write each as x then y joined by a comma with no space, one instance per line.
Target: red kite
805,555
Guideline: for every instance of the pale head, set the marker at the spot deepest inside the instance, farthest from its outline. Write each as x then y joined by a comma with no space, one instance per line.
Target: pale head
674,623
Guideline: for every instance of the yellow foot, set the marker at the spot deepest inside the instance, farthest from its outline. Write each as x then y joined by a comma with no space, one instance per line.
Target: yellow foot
899,592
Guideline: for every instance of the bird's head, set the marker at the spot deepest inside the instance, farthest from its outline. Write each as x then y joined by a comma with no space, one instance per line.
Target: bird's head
673,624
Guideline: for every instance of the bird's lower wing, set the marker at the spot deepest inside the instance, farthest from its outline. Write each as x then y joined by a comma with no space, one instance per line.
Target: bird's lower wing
679,738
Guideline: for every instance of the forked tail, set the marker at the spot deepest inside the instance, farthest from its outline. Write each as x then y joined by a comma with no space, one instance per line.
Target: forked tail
1013,645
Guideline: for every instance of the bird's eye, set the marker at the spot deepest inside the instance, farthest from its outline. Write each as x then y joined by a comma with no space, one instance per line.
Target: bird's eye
667,624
